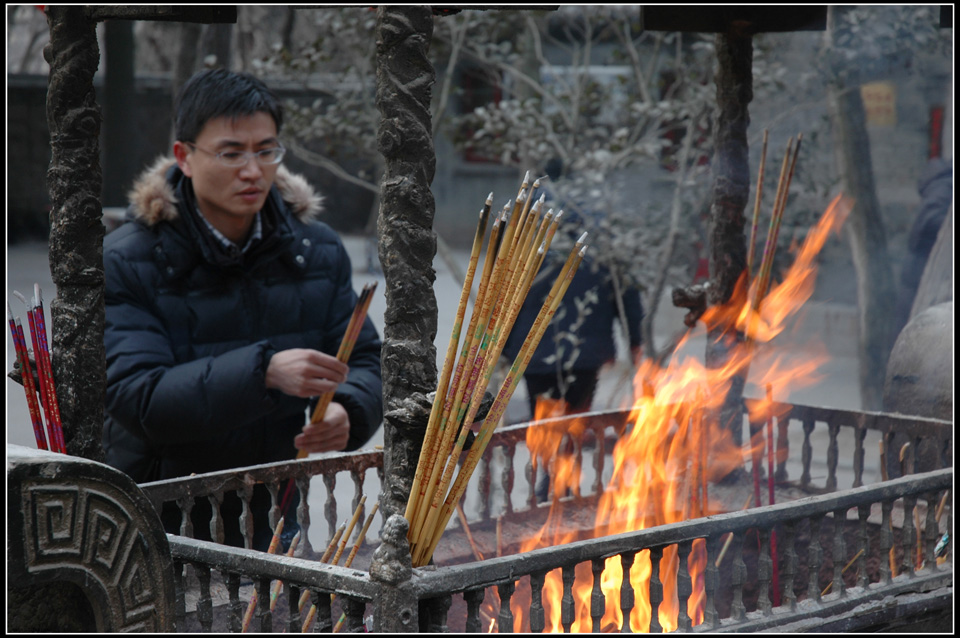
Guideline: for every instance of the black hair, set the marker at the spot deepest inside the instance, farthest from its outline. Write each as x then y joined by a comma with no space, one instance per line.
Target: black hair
553,168
216,93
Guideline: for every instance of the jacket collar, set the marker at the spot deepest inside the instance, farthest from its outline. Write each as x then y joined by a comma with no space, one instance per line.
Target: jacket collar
153,198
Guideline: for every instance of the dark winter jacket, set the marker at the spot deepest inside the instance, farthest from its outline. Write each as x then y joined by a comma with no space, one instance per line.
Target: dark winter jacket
190,331
597,346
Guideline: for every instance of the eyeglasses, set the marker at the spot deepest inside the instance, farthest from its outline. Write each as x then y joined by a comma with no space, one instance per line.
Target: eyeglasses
235,159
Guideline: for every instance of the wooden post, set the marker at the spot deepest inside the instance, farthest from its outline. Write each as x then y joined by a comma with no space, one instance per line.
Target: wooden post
731,190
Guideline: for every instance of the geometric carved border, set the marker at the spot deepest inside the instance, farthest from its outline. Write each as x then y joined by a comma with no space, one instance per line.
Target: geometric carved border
91,525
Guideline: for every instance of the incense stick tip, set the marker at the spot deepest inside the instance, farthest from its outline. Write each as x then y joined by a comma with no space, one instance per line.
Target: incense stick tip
583,237
20,297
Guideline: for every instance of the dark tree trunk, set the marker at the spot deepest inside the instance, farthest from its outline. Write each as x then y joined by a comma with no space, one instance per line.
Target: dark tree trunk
76,229
185,63
876,294
119,125
407,242
731,190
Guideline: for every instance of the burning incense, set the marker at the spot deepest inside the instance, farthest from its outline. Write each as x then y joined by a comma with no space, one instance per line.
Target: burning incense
40,318
272,549
517,245
333,544
943,503
361,536
751,248
843,571
23,357
471,391
310,617
346,535
466,528
277,586
783,190
353,552
726,544
430,528
886,476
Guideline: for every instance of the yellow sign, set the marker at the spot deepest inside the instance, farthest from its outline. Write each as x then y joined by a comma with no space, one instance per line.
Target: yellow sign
880,103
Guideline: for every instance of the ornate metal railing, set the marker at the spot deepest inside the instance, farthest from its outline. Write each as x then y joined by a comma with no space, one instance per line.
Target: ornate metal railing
497,490
652,546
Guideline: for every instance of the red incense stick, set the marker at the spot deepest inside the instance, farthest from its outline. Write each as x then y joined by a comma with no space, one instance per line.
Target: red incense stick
20,345
44,353
773,532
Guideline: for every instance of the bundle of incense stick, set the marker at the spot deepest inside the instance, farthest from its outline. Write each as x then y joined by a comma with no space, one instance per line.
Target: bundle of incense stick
349,340
346,346
519,240
45,387
762,282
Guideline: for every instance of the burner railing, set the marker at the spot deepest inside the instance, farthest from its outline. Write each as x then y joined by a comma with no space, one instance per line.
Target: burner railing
495,490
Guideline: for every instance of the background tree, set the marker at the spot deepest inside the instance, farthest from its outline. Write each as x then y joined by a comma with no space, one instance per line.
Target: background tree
864,44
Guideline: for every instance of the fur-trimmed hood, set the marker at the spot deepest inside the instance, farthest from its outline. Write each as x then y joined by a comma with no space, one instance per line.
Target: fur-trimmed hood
152,197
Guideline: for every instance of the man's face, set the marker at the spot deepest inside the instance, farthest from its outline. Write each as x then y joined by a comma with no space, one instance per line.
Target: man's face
230,197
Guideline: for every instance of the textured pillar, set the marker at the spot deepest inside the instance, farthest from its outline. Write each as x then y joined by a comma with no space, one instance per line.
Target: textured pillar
407,242
76,229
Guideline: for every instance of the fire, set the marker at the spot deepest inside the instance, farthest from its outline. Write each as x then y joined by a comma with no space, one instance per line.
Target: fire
671,448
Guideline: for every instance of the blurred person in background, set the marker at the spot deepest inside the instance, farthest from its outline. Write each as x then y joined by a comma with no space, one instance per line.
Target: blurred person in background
580,340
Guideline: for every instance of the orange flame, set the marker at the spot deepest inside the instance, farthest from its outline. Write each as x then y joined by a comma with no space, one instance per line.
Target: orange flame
671,448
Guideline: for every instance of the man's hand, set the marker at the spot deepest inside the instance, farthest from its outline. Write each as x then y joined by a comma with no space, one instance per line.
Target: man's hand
328,435
305,373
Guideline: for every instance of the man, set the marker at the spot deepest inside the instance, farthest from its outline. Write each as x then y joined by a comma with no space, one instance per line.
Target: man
226,301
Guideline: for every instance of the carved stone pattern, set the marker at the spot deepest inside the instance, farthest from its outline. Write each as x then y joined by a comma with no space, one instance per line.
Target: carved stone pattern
83,526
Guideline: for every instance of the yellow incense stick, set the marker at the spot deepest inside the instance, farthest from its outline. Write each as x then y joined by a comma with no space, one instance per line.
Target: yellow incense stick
454,386
467,382
775,223
826,589
448,362
726,545
486,432
346,535
346,344
751,249
333,544
437,523
277,586
271,549
361,536
466,529
477,396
